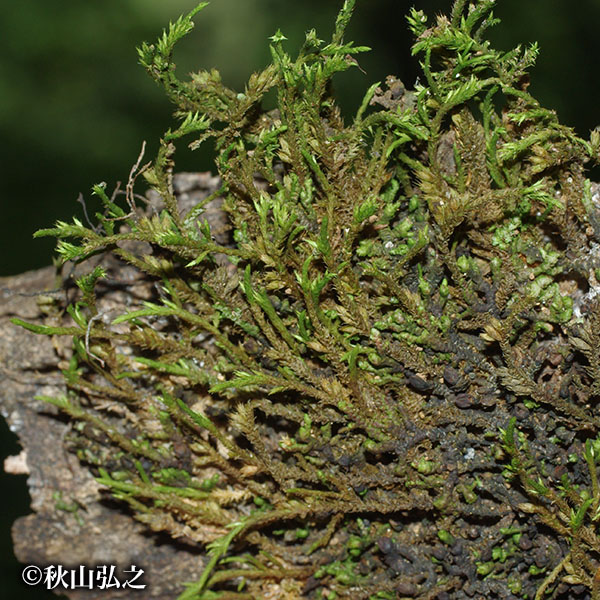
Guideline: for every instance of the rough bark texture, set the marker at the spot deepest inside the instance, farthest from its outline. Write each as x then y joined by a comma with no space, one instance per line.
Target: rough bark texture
73,521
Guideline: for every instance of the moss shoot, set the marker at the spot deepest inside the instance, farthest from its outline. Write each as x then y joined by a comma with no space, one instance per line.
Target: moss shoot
377,374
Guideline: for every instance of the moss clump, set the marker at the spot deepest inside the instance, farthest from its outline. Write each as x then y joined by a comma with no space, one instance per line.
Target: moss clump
379,376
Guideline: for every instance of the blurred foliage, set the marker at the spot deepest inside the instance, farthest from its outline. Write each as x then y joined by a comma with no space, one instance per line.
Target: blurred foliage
75,107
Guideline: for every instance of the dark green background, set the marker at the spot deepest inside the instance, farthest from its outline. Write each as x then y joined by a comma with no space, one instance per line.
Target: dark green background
75,106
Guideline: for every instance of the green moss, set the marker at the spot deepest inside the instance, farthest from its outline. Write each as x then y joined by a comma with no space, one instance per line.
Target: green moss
386,294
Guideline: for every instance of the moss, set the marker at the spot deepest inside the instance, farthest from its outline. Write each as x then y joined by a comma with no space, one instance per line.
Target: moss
391,341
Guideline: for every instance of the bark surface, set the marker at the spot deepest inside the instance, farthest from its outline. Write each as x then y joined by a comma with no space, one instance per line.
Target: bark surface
74,522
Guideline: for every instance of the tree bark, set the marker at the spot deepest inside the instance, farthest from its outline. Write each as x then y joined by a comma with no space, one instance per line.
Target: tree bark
73,521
